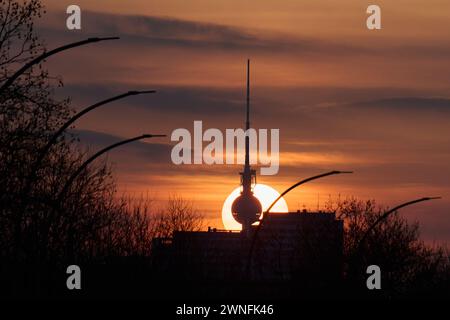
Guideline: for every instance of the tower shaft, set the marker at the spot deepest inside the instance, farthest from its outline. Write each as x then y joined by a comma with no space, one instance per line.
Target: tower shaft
247,173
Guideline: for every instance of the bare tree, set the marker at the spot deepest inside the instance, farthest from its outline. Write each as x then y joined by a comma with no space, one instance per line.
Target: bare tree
28,115
34,225
179,215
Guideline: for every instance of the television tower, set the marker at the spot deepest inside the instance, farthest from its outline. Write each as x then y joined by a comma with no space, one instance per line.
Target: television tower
246,208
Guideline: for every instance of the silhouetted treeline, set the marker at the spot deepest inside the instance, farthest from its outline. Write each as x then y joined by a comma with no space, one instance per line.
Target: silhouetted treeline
42,232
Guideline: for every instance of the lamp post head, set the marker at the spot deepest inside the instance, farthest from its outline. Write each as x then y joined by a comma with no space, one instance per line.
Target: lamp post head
145,136
135,92
96,39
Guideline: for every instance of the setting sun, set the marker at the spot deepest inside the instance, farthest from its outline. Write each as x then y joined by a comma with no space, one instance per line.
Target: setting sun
265,194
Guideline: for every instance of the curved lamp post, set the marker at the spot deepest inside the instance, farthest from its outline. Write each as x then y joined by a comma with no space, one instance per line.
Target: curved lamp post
386,215
302,182
65,126
95,156
356,255
72,178
255,235
45,55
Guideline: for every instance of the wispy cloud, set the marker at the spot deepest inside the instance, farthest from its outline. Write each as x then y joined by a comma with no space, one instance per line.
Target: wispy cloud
151,32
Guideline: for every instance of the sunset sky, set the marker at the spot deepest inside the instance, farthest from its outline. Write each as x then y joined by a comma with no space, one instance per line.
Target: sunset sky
343,97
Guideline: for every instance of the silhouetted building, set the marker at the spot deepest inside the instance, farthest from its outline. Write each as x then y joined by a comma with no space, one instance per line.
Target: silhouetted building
299,246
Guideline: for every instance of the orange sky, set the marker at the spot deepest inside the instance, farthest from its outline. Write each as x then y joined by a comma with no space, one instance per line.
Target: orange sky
376,102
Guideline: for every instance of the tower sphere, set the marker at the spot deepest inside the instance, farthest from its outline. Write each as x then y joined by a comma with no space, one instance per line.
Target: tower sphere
246,209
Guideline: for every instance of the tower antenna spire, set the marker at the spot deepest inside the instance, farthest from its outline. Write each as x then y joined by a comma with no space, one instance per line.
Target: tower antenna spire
247,124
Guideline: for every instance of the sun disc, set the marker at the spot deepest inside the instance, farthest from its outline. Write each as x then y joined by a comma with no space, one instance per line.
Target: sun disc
265,194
